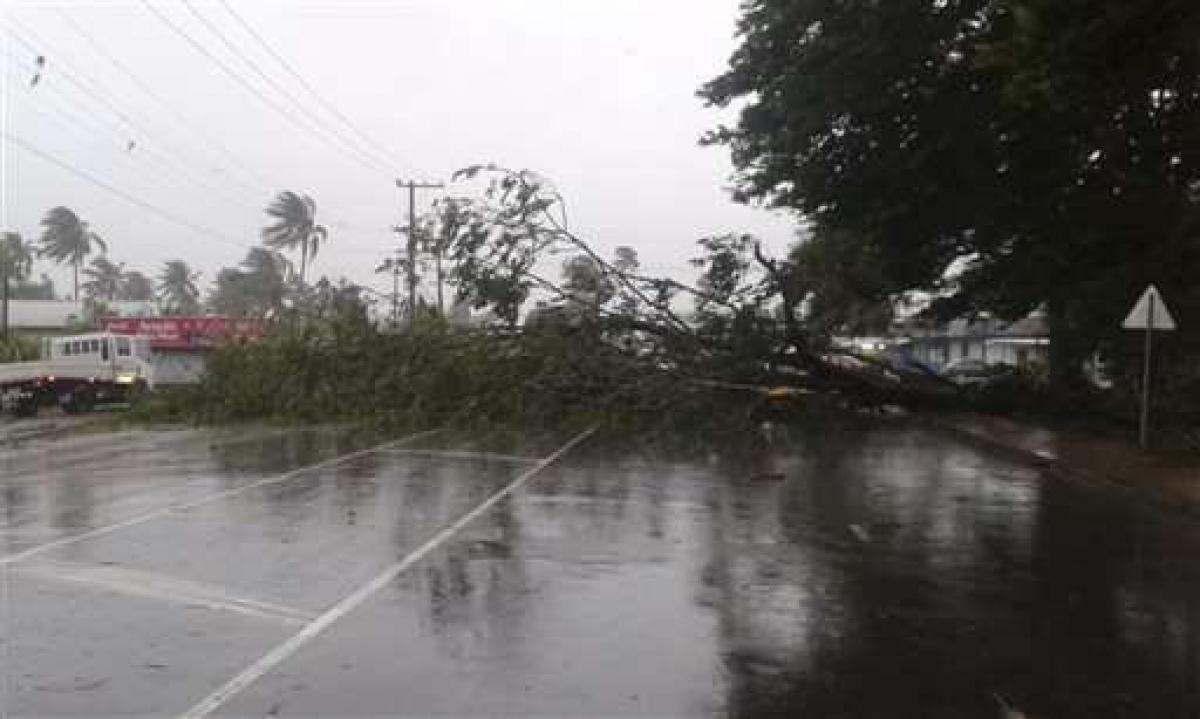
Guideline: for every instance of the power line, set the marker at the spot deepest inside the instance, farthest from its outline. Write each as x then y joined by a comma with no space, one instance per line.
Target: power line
75,121
254,66
66,73
89,87
233,75
84,175
232,157
100,94
305,84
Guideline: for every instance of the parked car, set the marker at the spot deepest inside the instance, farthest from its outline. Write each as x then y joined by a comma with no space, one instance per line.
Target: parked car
967,372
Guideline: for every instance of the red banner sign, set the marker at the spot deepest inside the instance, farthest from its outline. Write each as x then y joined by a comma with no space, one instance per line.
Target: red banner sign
199,332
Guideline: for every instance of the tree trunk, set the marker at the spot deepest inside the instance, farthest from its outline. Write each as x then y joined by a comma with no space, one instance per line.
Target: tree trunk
303,260
1068,349
438,261
75,269
5,270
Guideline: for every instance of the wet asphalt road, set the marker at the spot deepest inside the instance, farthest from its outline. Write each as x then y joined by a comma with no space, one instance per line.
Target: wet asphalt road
893,573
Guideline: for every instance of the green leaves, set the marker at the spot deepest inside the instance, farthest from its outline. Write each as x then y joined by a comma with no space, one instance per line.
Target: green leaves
295,227
103,279
16,256
1051,141
177,288
256,288
67,238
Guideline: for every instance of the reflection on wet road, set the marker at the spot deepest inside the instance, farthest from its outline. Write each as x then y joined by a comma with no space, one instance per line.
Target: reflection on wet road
894,572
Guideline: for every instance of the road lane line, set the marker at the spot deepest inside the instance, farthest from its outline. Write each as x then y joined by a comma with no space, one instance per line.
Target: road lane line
216,497
281,653
151,585
143,440
459,454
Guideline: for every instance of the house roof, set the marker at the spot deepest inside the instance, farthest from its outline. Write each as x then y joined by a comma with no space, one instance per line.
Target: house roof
60,314
43,314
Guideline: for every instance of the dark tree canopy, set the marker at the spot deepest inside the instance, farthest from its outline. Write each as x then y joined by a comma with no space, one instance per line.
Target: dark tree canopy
1049,145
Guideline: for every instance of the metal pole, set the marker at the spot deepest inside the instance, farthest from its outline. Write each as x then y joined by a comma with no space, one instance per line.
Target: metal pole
1144,425
412,243
6,296
412,256
396,289
438,261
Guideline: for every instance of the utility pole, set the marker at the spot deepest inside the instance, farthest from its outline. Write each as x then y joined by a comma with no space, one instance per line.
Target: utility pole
396,288
412,244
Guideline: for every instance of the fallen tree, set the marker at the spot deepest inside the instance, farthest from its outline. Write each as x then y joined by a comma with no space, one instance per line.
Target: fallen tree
748,322
653,356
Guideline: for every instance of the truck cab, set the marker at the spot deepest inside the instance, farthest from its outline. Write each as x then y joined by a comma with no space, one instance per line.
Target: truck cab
121,359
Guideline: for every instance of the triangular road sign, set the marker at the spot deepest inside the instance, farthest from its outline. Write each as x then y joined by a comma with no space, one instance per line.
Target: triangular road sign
1150,312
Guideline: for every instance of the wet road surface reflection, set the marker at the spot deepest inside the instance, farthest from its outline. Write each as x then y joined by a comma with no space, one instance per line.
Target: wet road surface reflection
893,572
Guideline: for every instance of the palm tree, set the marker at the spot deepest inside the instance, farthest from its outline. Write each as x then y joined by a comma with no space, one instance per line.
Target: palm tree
136,287
104,279
177,288
16,262
268,265
68,239
295,227
256,287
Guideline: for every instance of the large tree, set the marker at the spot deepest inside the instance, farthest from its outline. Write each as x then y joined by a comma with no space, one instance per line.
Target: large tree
1046,148
177,288
67,239
295,227
255,288
136,286
16,262
104,279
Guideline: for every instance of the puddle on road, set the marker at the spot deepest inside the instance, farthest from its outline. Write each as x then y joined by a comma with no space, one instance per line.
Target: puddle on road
892,572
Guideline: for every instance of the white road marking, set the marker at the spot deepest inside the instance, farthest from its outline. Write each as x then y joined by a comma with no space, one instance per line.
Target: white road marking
216,497
459,454
149,585
281,653
143,440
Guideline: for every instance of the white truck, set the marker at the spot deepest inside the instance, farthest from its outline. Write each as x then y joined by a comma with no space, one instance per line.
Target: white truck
77,373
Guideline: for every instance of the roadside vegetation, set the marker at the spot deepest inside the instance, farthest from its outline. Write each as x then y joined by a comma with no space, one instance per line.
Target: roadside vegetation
997,164
563,336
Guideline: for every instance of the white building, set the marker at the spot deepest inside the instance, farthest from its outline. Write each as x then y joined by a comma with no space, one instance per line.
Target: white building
1021,343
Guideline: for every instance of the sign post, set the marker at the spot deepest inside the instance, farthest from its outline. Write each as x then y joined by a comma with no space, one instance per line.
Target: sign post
1149,313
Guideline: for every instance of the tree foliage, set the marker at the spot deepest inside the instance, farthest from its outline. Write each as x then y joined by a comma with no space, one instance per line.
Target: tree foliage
16,262
177,288
67,239
136,287
256,288
104,279
748,320
16,257
1047,145
295,227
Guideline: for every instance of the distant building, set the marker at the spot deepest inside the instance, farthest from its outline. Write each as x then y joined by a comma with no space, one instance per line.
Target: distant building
54,317
1021,343
180,346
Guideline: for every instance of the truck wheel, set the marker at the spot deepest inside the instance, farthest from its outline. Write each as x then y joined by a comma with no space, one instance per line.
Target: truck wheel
80,400
26,406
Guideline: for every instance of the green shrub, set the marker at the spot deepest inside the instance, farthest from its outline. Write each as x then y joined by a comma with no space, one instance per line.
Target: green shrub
549,378
18,348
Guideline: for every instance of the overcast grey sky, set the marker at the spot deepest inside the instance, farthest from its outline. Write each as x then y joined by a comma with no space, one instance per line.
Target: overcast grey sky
598,95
